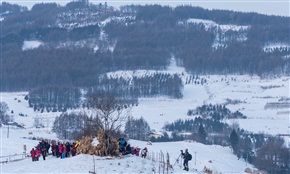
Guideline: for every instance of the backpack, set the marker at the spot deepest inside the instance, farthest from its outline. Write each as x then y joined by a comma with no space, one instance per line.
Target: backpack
189,157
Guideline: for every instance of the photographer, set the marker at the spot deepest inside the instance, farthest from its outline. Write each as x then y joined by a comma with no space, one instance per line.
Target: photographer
185,156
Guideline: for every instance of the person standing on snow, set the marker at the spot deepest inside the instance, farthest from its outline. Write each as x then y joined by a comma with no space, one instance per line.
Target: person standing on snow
185,156
33,153
43,152
137,151
37,154
63,151
57,146
122,144
73,149
144,152
68,149
47,146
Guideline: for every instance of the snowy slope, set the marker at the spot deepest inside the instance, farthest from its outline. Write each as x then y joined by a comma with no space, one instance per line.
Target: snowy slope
217,158
252,92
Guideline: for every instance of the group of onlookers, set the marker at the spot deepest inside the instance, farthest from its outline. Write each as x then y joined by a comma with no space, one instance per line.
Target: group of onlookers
62,150
41,149
125,149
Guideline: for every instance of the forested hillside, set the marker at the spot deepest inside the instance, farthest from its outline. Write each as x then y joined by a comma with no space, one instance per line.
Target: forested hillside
80,42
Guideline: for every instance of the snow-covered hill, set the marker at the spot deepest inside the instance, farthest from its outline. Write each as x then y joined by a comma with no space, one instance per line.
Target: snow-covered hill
252,93
261,100
217,158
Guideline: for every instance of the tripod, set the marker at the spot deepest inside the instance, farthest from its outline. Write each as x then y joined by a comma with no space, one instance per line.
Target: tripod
177,160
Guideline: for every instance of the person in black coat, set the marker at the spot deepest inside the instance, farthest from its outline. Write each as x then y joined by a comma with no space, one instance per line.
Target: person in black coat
185,156
67,146
56,149
128,149
47,146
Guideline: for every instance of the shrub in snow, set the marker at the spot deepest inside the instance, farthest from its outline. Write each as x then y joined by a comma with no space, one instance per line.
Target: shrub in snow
102,149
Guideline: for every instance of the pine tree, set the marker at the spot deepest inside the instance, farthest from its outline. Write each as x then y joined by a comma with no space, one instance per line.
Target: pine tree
201,134
234,140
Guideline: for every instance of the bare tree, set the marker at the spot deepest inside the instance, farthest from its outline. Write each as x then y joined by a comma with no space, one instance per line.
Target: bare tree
74,125
37,122
112,113
137,128
4,117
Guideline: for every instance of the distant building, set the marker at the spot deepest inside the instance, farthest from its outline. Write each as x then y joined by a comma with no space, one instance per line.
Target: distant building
155,135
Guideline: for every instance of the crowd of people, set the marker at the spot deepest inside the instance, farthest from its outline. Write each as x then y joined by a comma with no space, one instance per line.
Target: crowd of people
64,150
126,148
58,149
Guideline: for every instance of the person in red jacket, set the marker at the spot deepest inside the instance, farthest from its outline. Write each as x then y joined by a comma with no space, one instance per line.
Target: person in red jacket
33,153
63,151
60,150
37,154
137,151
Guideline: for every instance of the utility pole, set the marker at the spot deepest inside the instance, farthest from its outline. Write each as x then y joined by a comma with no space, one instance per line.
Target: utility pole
8,131
8,123
194,158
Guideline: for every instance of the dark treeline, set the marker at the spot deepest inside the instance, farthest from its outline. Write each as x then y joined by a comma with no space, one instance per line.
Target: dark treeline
12,8
192,125
145,37
45,66
158,84
61,34
54,98
216,112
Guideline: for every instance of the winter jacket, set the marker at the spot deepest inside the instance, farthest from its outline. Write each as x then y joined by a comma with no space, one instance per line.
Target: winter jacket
64,149
137,151
60,148
53,148
185,156
37,152
67,146
122,143
33,153
74,148
43,151
77,143
144,151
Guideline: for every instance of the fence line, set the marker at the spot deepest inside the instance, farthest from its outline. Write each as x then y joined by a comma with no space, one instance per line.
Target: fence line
163,160
12,158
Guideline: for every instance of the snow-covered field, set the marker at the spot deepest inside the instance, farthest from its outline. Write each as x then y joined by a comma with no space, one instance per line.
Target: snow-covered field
217,158
251,92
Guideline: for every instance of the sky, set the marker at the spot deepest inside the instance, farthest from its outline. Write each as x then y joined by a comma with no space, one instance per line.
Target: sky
269,7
